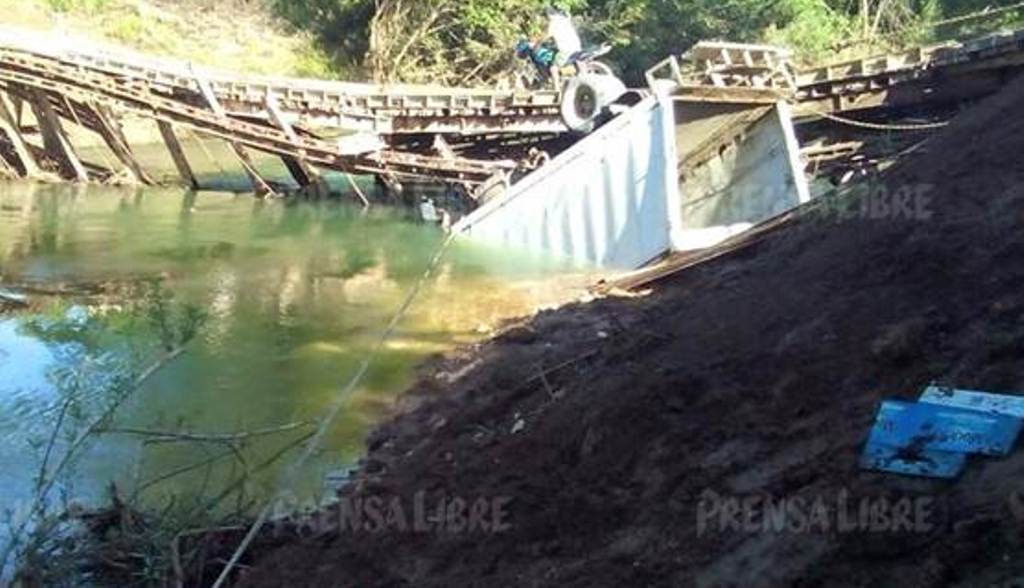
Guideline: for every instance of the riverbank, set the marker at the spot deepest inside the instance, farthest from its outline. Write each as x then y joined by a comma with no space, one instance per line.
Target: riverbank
604,430
240,36
280,302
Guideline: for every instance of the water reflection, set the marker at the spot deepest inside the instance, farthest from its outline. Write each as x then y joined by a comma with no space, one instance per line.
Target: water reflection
294,294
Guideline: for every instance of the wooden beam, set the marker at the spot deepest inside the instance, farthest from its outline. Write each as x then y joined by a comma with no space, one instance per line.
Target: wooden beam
305,175
260,185
178,154
19,108
7,170
113,135
28,168
55,139
945,90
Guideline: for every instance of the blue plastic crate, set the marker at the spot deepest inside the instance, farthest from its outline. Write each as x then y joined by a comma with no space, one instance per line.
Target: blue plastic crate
917,427
1004,404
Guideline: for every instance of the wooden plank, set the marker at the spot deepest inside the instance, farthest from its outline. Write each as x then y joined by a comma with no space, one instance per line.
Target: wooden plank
178,154
26,163
7,170
55,139
304,174
87,86
260,185
727,95
943,90
113,136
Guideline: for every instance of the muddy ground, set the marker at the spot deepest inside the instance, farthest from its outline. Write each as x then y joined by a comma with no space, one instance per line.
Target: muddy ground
758,374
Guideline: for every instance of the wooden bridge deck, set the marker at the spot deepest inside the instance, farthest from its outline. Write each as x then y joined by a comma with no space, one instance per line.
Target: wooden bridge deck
92,89
383,128
351,106
947,73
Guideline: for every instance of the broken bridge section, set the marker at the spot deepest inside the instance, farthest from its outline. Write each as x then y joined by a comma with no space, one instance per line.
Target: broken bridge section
710,153
309,124
610,200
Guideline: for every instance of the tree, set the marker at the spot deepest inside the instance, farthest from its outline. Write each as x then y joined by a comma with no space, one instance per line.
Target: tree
450,41
470,42
343,26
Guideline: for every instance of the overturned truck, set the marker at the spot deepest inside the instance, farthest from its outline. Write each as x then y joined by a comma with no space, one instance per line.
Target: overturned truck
705,152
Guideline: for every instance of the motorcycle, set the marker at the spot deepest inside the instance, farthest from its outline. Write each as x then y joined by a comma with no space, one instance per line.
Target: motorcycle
539,59
588,88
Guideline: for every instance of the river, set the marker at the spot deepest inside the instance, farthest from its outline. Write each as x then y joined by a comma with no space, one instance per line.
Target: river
291,298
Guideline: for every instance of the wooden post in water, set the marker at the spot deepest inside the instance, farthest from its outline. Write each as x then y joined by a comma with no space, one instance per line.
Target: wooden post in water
113,135
178,154
261,185
10,126
308,178
7,170
55,140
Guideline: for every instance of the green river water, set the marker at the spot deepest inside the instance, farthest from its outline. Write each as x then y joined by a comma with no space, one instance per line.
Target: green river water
294,294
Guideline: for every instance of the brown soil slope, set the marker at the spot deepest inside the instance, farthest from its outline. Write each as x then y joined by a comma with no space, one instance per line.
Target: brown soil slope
757,374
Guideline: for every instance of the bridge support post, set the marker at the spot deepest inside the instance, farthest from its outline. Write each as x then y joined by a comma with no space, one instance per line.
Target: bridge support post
178,154
55,139
307,177
260,185
24,162
113,135
7,170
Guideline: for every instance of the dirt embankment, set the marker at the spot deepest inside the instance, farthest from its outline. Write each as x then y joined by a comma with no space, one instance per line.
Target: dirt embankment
758,374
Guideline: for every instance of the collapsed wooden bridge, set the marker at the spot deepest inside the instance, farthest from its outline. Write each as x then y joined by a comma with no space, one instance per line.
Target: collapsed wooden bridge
856,116
461,136
286,118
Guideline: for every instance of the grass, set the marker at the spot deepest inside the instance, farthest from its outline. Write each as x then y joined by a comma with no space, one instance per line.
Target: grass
227,34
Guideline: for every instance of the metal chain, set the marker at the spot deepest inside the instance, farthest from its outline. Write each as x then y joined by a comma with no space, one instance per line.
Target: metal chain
882,127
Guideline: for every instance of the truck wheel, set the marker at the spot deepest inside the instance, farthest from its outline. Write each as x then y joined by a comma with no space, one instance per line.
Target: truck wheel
585,97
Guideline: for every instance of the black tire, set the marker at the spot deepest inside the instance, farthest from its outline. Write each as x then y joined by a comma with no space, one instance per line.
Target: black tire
580,105
585,98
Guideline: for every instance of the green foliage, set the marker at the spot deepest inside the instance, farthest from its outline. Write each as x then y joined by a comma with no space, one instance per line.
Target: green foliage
657,28
93,381
451,41
312,62
470,41
812,29
76,5
342,26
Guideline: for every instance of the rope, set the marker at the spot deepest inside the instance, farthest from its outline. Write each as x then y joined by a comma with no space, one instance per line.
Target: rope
335,409
882,127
